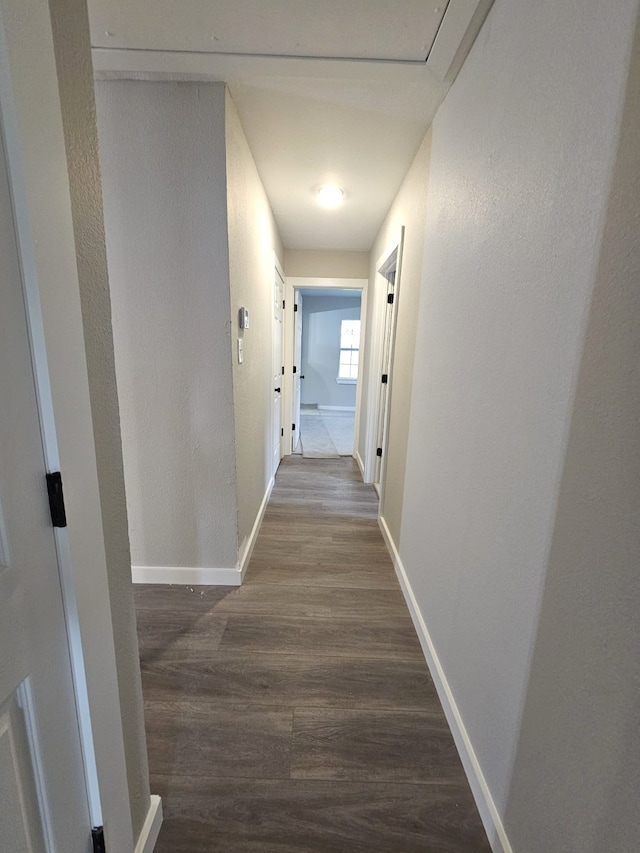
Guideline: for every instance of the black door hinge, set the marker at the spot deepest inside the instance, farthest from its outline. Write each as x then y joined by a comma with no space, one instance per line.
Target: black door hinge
293,427
283,304
379,452
283,369
385,378
295,369
97,836
295,308
390,298
282,431
56,499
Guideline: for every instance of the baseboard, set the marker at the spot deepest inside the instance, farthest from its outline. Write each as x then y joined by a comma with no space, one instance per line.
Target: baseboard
336,408
186,575
253,536
487,808
358,458
149,833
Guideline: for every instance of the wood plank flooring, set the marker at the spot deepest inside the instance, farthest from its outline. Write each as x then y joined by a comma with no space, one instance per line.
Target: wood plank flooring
296,714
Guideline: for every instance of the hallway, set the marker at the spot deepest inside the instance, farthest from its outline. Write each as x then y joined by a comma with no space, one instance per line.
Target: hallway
296,713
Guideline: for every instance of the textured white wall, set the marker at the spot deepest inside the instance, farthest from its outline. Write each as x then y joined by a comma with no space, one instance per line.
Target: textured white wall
522,153
577,770
162,149
253,239
323,264
409,209
321,319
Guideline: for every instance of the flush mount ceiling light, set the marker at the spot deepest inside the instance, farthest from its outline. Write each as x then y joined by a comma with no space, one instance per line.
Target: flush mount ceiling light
330,195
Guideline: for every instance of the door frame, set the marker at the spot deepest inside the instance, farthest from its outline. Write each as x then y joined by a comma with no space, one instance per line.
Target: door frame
376,355
293,283
35,150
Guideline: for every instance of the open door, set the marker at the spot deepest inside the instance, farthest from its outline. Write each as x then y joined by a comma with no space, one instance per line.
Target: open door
43,795
297,366
385,373
277,432
381,380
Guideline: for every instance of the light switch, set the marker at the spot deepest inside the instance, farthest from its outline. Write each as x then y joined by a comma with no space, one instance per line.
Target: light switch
240,351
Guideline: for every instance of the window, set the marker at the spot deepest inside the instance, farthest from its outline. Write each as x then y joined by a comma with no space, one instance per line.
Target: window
349,351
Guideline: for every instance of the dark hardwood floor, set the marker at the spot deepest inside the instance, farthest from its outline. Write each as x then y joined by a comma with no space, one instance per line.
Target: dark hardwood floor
296,714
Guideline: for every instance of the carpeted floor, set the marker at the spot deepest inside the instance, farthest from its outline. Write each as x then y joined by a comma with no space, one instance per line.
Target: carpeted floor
325,434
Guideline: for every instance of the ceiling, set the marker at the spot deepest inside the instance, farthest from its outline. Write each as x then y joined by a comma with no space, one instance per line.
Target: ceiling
328,91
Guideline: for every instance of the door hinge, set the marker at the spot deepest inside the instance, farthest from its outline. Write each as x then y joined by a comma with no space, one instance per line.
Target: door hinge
283,304
390,298
97,836
283,369
56,499
379,452
282,431
385,378
293,427
295,369
295,308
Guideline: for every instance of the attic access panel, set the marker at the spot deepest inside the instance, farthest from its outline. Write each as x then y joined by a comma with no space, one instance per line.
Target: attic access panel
352,29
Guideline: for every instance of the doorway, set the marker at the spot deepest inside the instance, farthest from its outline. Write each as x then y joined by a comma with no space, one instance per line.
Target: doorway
327,335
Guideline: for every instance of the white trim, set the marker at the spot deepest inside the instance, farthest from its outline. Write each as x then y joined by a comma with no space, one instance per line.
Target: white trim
343,381
141,64
480,789
459,27
358,458
253,536
205,576
336,408
197,576
302,281
151,829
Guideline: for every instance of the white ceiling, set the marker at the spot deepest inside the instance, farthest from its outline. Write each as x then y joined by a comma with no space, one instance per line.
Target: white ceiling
328,91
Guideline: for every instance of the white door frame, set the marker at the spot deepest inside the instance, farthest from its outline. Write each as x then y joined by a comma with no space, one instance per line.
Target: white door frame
293,283
36,159
379,296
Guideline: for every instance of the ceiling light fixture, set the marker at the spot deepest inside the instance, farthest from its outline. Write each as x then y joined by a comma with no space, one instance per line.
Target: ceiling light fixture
330,195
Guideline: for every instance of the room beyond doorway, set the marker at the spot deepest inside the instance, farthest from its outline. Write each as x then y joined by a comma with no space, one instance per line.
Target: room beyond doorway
329,369
325,434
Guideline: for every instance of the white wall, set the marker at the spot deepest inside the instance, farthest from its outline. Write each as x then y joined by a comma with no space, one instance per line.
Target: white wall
253,239
522,153
162,149
321,320
576,773
310,263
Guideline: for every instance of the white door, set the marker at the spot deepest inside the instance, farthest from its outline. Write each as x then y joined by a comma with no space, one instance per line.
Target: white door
385,376
278,377
297,366
43,799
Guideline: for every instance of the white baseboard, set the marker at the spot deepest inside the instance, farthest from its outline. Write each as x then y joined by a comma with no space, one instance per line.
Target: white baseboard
336,408
358,458
186,575
253,536
149,833
487,808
